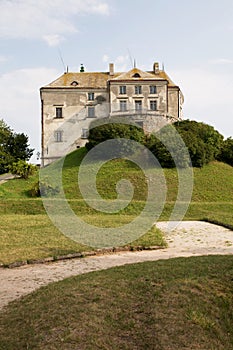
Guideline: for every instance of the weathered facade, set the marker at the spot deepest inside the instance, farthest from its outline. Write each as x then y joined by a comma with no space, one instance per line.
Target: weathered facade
71,102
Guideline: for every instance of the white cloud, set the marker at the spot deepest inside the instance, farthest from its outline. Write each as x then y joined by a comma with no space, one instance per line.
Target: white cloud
221,61
45,19
2,59
53,40
105,58
20,107
122,63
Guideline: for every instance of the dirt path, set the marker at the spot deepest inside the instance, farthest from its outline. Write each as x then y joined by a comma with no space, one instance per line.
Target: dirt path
6,177
189,239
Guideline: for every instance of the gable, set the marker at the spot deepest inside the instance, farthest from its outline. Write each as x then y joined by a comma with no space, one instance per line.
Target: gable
134,74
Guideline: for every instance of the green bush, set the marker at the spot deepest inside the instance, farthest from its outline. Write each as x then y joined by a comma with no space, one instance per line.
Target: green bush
118,132
203,143
22,169
170,151
226,154
43,188
202,140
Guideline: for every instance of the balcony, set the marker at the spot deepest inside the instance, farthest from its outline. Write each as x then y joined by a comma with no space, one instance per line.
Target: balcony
135,114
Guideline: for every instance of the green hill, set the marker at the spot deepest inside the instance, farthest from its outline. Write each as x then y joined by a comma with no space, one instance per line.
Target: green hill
213,182
27,232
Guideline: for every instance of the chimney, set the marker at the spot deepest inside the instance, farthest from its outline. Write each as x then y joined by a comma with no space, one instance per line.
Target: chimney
111,68
156,68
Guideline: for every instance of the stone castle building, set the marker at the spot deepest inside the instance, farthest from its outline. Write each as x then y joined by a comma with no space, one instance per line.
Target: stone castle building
71,102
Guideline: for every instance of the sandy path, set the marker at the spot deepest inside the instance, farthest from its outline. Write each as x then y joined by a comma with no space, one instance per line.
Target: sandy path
189,239
6,177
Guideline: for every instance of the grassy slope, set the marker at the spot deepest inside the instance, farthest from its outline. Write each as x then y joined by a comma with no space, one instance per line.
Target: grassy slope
27,233
166,305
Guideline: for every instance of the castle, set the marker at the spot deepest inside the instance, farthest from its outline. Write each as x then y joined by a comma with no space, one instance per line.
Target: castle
71,102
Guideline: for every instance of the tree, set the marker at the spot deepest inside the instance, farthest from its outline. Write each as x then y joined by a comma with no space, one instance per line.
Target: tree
203,142
13,147
116,131
226,154
168,148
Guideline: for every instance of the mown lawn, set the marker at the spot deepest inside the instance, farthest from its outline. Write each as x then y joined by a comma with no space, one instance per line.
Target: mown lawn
26,232
177,304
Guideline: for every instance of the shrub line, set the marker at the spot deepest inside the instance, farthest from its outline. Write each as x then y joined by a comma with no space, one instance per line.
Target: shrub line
79,255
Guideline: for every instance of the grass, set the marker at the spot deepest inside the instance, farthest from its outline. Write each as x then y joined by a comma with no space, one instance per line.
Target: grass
176,304
27,233
29,237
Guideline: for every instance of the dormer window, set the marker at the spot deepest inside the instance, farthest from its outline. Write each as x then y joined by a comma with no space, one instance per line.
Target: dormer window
136,75
74,83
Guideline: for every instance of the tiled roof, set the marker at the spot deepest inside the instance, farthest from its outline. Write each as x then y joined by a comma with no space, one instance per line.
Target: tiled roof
84,80
100,79
163,75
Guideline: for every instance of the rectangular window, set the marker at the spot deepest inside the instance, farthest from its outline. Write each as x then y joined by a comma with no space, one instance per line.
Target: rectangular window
58,136
91,112
138,89
59,112
122,90
153,89
138,105
123,105
84,133
91,96
153,105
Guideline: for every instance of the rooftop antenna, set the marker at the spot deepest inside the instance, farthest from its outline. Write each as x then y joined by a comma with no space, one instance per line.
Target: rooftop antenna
163,67
134,63
130,57
60,55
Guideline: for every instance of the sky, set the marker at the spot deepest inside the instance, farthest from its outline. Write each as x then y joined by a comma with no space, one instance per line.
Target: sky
192,38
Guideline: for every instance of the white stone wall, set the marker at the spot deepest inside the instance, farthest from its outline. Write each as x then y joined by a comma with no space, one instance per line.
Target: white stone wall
74,119
173,103
145,96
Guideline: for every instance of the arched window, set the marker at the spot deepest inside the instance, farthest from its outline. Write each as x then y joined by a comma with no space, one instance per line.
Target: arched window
74,83
136,75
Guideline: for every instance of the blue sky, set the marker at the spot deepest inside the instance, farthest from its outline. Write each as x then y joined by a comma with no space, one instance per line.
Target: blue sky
193,38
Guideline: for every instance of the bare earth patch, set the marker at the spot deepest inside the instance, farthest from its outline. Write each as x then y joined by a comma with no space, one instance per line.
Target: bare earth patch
190,238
